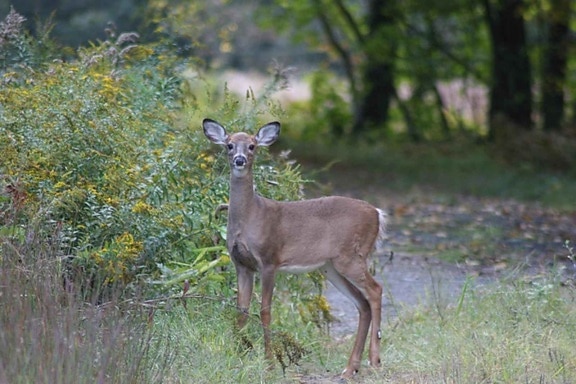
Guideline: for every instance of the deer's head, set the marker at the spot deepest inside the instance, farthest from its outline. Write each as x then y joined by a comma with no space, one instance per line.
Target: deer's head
241,146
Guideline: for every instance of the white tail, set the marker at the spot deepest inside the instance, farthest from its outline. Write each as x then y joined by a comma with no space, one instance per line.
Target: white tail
333,234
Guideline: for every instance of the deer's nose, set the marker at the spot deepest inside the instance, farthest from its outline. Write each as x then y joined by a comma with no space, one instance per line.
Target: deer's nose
239,161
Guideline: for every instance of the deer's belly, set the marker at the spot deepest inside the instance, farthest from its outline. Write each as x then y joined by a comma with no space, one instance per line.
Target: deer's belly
301,268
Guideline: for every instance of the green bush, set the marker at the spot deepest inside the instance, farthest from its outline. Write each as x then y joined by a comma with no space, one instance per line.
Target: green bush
107,194
97,158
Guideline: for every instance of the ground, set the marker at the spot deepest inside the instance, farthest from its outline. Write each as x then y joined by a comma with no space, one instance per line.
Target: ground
439,241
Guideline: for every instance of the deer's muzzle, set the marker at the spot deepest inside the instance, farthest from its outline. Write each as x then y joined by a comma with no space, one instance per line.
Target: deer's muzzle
239,161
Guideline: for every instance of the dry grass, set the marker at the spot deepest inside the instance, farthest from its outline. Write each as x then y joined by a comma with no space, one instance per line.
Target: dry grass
49,335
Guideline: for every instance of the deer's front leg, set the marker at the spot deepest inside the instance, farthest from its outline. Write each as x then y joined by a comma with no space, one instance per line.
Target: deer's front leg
245,279
268,275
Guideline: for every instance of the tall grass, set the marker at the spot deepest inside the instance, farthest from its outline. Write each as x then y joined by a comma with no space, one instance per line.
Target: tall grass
49,334
210,350
515,331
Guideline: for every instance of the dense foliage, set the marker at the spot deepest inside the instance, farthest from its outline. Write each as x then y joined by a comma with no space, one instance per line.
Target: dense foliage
422,70
97,159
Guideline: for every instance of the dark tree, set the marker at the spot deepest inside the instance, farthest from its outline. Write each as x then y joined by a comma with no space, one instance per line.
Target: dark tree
378,71
511,81
554,66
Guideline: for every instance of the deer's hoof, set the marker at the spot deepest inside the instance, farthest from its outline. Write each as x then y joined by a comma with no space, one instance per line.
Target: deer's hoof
377,363
348,373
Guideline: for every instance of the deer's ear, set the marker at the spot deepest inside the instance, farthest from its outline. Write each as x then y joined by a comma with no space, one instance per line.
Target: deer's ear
214,131
268,134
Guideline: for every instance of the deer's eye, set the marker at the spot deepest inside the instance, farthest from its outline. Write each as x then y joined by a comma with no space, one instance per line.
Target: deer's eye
230,146
251,147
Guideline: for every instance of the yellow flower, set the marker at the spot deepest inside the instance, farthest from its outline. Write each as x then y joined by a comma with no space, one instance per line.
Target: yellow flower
225,259
111,201
142,207
140,53
97,257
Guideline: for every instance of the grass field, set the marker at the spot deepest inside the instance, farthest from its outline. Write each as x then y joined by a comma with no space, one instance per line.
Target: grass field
513,332
436,170
518,330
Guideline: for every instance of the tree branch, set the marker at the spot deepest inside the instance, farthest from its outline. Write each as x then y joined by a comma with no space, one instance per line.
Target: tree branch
350,22
340,50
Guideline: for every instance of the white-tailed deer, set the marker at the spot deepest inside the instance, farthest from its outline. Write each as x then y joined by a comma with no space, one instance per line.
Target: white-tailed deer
333,234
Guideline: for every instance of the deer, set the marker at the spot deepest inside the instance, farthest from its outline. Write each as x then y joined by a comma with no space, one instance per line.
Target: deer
335,235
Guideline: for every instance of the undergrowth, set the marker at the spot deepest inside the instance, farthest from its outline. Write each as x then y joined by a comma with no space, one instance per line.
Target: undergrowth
113,268
104,156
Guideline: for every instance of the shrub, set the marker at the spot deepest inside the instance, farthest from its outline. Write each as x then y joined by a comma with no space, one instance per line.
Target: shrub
97,159
103,180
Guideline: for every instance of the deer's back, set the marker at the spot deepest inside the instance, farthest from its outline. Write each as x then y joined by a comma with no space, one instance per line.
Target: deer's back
320,228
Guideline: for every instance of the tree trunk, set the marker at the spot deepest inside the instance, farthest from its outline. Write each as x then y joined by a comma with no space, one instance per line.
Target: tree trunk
378,70
445,126
411,127
510,88
554,68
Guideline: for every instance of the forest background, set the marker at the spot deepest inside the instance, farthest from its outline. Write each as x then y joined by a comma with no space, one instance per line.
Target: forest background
109,189
403,63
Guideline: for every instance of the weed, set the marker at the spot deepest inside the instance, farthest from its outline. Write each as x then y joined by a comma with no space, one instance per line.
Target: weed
105,189
49,334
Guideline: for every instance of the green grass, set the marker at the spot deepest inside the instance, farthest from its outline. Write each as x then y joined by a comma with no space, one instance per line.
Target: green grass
441,170
513,331
509,333
205,347
51,335
210,350
516,330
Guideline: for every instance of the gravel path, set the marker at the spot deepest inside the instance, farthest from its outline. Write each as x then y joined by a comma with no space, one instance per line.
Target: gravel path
486,239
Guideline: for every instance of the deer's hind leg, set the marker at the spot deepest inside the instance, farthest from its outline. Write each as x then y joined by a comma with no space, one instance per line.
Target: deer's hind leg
371,292
374,296
364,315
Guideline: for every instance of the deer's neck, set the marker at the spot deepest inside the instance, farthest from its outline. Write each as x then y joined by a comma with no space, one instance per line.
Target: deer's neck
242,197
